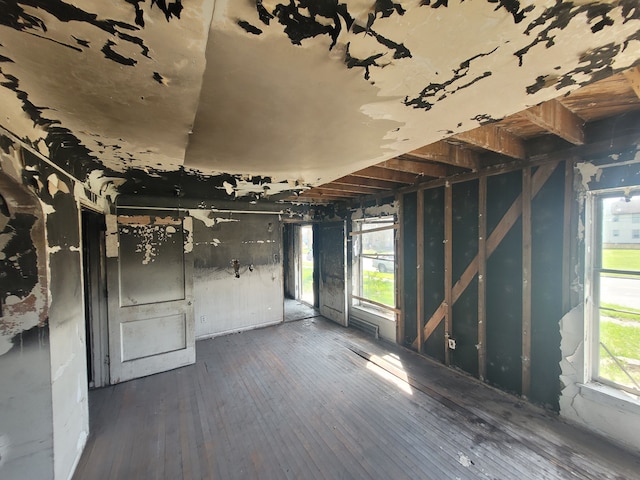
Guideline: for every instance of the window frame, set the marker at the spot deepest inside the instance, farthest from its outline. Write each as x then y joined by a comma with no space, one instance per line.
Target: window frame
358,300
594,216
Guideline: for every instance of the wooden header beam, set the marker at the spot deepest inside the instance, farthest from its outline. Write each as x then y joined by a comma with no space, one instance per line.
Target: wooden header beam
416,167
633,77
557,119
444,152
380,173
495,139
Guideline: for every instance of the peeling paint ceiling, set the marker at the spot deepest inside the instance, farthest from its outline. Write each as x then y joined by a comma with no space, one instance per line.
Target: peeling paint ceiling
255,98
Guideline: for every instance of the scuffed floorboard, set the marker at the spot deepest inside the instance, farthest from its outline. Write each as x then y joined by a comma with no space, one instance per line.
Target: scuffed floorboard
310,399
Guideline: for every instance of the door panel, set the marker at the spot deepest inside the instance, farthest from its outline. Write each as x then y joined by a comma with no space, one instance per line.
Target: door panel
151,325
333,272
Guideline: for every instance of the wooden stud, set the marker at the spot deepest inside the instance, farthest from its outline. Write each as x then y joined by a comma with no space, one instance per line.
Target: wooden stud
526,282
496,139
420,271
633,77
400,330
416,167
482,277
444,152
448,267
567,237
508,220
554,117
380,173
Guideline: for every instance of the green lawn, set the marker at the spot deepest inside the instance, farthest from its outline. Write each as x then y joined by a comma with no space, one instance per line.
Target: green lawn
307,281
623,313
616,259
379,287
623,341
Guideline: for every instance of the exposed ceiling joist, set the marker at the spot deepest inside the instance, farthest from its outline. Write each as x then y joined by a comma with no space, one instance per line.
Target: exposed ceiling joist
495,139
338,187
444,152
325,190
417,167
323,196
366,182
557,119
380,173
633,77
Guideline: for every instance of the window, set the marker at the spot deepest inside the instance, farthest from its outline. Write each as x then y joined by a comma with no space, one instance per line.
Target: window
374,265
615,284
635,218
616,233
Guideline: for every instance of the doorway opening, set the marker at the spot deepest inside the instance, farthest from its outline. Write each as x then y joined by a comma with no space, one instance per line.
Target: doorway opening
95,298
306,266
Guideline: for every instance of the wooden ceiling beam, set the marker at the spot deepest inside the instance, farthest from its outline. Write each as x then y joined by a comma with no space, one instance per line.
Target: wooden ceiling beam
495,139
338,187
443,152
381,173
318,193
557,119
633,77
327,190
416,167
365,182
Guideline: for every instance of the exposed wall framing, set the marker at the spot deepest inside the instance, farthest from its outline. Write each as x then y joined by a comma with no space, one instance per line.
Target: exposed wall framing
478,280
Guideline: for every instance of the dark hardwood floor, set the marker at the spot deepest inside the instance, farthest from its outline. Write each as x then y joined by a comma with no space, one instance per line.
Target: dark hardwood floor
312,400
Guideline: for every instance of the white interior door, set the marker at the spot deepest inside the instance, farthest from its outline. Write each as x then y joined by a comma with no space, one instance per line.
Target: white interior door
151,324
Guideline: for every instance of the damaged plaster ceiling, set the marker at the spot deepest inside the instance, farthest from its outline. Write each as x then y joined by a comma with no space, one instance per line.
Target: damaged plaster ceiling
261,97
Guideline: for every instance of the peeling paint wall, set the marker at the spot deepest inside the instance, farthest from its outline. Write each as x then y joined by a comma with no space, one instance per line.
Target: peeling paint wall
238,272
611,413
66,389
26,423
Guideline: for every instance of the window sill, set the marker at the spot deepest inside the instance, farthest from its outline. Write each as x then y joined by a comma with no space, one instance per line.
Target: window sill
610,397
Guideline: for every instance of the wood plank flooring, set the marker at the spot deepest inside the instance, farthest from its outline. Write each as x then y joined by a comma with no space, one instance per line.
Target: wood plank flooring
312,400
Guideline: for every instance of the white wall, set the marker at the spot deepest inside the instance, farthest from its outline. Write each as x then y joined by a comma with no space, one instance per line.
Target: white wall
224,303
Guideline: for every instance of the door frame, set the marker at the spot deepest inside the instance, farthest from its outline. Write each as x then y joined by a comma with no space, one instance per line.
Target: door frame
95,294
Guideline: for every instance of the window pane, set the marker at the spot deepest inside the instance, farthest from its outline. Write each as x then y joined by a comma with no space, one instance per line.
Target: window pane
619,300
376,262
620,234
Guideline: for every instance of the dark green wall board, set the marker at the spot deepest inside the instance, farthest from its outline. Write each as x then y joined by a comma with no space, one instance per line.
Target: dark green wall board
434,266
434,346
465,329
465,248
504,312
409,273
547,218
465,225
502,190
504,288
616,176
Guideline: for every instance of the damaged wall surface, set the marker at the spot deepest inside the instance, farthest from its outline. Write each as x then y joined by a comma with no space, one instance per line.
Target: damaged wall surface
26,435
238,272
612,413
48,336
